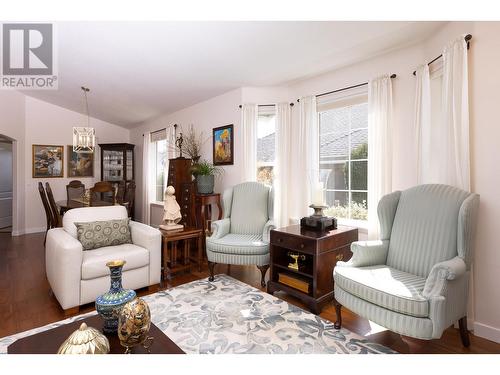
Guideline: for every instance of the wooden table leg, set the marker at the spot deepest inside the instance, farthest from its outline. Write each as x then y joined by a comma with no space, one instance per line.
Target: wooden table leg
186,251
200,250
173,259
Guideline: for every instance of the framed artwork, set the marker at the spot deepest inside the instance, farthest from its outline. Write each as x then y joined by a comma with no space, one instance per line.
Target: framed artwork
223,145
48,161
80,164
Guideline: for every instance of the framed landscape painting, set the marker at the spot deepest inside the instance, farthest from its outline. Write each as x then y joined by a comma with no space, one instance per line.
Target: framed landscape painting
48,161
80,164
223,145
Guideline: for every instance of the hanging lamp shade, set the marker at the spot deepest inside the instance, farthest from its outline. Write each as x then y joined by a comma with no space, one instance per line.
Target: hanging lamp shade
84,137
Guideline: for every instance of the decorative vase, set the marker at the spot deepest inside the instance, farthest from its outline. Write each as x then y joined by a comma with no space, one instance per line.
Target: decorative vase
205,184
109,304
134,322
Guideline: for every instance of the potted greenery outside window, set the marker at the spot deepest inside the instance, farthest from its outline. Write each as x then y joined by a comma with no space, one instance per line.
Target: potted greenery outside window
205,173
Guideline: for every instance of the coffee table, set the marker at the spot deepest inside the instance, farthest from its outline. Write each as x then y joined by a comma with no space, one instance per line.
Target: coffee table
48,342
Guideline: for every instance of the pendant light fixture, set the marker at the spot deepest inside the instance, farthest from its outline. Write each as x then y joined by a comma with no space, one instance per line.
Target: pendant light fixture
84,137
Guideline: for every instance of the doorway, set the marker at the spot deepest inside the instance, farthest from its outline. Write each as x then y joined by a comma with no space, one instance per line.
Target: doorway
6,185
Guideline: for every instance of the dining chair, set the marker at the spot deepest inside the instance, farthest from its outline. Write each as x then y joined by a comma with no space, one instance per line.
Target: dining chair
129,197
48,212
120,192
75,189
56,217
102,191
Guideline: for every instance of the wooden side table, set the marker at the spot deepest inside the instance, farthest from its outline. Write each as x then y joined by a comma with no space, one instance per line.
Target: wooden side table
202,202
318,253
170,250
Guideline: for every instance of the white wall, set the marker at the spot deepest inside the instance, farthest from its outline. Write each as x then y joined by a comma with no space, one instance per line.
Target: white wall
12,113
31,121
52,125
218,111
5,184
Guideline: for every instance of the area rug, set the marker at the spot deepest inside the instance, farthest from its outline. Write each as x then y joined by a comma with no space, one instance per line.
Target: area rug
228,316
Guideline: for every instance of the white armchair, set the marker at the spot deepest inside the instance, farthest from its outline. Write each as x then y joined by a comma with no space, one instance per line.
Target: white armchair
77,277
242,236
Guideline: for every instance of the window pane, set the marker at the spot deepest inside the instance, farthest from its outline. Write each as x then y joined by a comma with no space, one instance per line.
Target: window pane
359,144
334,146
265,175
336,120
359,116
337,202
266,129
359,175
359,206
161,159
335,176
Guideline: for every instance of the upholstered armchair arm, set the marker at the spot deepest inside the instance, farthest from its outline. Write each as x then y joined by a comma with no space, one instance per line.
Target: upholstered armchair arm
63,264
266,233
440,274
367,253
149,238
220,228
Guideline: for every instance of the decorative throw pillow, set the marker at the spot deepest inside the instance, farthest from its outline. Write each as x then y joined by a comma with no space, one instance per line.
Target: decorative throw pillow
95,234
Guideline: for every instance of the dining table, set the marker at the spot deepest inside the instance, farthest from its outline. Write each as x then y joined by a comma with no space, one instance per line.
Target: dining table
68,204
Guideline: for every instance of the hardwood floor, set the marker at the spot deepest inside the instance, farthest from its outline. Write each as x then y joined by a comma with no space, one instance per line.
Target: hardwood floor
26,301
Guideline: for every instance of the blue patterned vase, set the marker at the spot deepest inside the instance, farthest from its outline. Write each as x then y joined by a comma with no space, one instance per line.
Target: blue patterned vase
109,304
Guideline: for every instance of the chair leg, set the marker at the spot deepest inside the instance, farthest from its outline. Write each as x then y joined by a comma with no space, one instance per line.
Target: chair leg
464,333
338,312
211,266
263,270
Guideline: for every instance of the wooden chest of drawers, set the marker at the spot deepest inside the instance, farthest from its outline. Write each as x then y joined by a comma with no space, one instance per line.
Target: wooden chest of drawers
180,177
318,253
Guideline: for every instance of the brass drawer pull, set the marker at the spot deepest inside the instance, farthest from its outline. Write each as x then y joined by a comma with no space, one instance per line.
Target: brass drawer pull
302,245
280,239
339,257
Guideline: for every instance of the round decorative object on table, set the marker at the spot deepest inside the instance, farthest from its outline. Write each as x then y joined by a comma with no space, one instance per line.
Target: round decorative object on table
109,304
85,340
134,321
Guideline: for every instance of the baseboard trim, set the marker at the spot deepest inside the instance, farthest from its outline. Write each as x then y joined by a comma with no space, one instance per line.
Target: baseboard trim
34,230
487,332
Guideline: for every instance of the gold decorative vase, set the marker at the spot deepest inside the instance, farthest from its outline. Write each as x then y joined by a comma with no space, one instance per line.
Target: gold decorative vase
134,321
85,340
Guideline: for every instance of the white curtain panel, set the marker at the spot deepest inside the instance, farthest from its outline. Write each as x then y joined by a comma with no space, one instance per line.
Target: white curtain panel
146,213
423,126
306,166
380,138
282,174
249,115
171,149
456,114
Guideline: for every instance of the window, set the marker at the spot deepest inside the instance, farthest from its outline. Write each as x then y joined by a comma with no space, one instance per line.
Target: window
266,149
158,163
343,128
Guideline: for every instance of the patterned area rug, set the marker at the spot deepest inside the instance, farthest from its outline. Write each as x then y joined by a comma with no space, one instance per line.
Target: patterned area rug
228,316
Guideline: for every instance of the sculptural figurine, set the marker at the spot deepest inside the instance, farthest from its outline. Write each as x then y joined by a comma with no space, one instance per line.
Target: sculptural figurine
171,211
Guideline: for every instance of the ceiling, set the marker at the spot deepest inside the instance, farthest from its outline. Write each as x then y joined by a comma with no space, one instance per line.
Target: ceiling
140,70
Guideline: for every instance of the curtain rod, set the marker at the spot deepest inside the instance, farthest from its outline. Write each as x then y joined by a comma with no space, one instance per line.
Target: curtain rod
165,128
467,38
265,105
346,88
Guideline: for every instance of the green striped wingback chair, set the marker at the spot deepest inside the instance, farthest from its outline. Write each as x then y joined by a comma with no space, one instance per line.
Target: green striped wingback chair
414,280
242,236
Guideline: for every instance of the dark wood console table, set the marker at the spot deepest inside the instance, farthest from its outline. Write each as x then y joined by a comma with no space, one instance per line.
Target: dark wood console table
318,253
